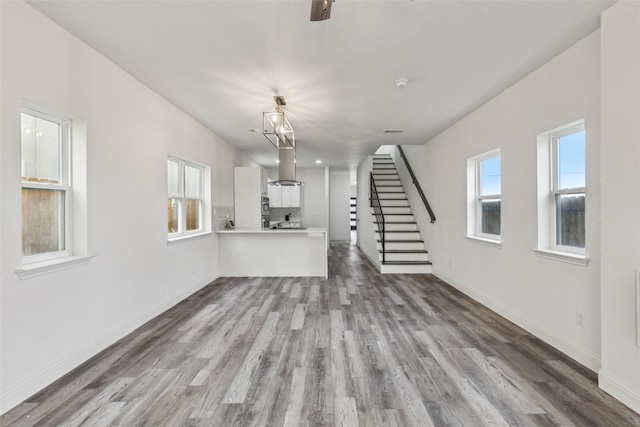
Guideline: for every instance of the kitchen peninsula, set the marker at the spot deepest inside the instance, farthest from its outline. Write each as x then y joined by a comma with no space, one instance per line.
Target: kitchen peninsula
256,252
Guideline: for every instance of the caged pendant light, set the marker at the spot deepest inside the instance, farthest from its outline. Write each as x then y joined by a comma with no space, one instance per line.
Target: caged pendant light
276,127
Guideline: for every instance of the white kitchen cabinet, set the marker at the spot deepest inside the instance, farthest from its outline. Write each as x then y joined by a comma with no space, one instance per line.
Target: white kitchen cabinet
284,197
296,197
275,196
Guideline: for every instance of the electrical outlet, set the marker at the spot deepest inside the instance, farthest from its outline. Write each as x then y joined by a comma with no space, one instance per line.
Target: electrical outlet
580,315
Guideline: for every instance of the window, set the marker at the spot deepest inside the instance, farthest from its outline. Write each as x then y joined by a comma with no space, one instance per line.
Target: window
185,202
46,186
562,192
485,196
568,187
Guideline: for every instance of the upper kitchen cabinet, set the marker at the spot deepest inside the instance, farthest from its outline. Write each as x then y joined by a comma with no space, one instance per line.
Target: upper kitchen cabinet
275,196
284,197
291,197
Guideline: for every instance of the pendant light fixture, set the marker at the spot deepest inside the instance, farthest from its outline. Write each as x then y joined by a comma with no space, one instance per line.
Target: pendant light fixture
276,127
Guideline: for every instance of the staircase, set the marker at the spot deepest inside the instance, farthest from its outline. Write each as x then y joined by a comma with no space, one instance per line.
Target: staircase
404,250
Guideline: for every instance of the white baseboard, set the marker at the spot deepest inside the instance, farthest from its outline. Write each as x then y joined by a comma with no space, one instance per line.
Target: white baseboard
58,368
619,390
575,352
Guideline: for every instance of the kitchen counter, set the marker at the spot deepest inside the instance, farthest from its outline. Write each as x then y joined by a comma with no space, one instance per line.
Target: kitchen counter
273,230
265,252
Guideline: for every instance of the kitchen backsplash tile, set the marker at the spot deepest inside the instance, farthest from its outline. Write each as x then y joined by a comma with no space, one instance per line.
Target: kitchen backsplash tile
279,214
220,215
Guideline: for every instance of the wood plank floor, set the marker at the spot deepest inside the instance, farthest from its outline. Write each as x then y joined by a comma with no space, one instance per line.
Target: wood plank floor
359,349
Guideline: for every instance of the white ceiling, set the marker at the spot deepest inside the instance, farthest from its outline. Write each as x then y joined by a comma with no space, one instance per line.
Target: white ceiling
222,62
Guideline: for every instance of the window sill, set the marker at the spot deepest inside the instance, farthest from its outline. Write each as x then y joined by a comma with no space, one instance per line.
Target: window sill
188,236
484,241
39,268
567,257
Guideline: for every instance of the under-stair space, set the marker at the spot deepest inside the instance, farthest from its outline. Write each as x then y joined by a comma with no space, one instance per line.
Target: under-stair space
402,250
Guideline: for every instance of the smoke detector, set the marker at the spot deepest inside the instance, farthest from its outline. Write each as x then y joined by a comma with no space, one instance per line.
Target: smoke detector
402,82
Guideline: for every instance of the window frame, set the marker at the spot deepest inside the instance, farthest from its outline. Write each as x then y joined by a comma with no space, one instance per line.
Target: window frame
554,184
64,186
546,183
475,198
181,197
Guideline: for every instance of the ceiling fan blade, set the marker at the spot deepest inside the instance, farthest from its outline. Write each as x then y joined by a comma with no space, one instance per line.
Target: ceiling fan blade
320,9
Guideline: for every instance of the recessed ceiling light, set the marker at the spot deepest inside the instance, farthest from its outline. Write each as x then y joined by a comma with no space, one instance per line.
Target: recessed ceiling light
393,130
318,162
277,161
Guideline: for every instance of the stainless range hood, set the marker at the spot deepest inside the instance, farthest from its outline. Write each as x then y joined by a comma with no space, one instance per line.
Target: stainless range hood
287,169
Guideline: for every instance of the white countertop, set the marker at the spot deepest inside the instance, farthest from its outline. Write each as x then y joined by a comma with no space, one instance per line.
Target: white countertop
272,231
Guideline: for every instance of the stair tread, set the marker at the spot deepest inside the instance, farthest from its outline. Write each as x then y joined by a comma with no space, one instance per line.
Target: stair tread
407,263
399,231
405,251
400,241
396,222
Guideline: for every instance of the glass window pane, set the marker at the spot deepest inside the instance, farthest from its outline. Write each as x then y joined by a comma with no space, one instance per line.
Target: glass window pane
40,140
192,208
193,182
173,178
172,215
490,181
42,221
490,216
570,223
571,161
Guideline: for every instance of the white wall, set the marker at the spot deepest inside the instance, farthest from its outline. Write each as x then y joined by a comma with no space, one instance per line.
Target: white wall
315,209
339,205
52,323
539,294
366,234
620,209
